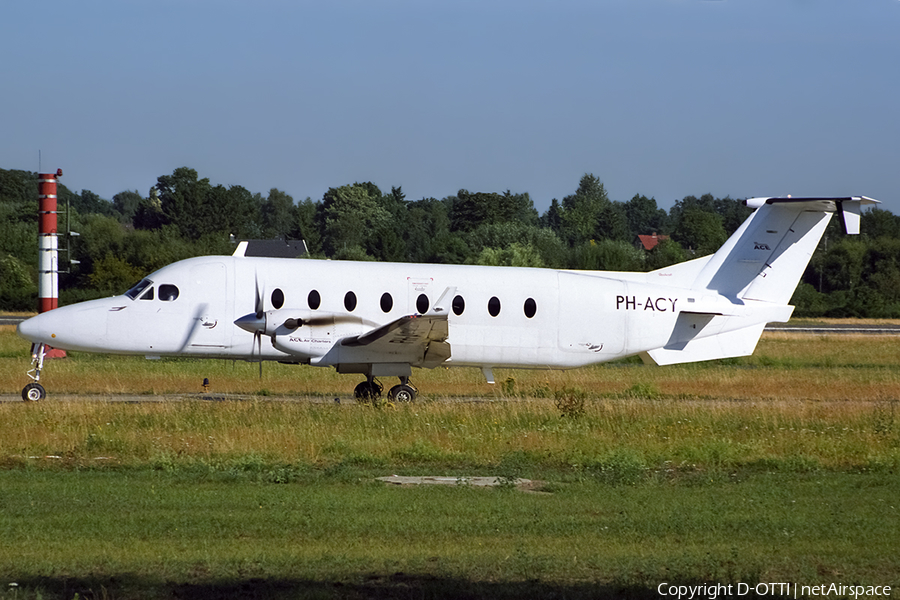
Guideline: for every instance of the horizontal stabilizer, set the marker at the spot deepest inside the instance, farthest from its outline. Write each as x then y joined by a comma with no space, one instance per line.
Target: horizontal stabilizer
849,207
724,345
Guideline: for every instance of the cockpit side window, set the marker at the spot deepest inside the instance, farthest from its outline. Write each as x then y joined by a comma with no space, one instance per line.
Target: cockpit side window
148,295
136,290
168,292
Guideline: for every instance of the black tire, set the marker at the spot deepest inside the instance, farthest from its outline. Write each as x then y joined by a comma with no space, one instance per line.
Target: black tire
367,391
402,393
33,392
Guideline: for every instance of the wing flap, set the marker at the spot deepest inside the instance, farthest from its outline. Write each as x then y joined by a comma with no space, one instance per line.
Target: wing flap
420,340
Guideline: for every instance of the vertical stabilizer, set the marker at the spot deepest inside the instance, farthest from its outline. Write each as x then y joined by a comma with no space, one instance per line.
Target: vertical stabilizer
757,270
767,255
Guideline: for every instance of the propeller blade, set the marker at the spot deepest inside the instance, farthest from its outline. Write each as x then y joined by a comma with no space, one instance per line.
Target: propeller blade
260,298
259,340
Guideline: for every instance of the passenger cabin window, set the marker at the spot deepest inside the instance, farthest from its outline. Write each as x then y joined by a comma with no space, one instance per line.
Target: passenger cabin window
459,305
168,292
139,287
314,300
387,303
422,304
530,308
350,301
277,298
494,306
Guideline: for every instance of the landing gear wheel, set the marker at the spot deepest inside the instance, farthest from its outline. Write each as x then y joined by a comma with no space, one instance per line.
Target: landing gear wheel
33,392
402,393
367,391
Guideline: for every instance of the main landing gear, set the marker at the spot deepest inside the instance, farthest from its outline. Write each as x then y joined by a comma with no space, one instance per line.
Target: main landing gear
370,390
34,391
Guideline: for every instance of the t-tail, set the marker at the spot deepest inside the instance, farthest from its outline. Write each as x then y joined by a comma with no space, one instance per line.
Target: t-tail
750,280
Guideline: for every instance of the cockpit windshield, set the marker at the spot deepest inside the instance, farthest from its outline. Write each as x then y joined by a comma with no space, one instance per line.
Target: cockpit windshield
135,291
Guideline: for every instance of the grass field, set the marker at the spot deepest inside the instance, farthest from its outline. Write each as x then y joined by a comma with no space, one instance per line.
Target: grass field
781,467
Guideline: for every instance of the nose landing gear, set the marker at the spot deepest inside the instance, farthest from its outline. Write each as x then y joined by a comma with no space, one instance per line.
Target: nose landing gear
34,391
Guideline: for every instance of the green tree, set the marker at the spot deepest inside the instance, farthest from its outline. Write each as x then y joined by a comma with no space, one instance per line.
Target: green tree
607,255
699,231
875,223
90,203
468,210
514,255
278,215
149,213
582,210
126,204
666,253
184,202
310,221
612,223
429,238
353,221
552,218
732,212
644,216
113,275
18,290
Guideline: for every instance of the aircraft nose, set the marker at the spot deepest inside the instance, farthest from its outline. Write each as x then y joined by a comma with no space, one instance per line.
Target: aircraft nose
38,329
75,327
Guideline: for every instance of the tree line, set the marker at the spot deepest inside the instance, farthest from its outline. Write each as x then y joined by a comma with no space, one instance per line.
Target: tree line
122,239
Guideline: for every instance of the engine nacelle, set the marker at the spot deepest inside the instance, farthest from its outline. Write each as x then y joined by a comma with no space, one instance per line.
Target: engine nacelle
306,334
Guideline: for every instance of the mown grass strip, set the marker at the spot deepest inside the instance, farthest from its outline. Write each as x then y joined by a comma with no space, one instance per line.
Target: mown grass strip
341,527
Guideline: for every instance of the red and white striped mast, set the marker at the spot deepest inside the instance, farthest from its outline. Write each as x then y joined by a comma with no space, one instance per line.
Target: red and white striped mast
48,246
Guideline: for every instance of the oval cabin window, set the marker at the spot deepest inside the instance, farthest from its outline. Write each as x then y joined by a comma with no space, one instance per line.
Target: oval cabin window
277,298
530,308
459,305
314,300
387,303
494,306
350,301
422,304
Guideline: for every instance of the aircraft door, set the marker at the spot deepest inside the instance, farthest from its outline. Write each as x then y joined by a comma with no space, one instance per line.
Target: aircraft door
209,295
589,323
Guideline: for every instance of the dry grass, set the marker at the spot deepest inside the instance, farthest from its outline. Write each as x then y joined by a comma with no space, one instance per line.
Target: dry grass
828,400
652,433
784,366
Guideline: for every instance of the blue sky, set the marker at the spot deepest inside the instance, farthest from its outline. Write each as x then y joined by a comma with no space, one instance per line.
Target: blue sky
665,98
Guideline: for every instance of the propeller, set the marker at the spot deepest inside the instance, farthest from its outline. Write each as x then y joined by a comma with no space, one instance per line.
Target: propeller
255,322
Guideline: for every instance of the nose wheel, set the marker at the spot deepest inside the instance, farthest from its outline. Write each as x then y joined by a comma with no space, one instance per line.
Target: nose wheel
34,391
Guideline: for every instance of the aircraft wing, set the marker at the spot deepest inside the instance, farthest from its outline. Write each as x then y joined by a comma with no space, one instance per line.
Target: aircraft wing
420,340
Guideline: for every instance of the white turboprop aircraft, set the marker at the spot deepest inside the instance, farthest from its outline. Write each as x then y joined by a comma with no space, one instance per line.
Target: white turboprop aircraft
382,319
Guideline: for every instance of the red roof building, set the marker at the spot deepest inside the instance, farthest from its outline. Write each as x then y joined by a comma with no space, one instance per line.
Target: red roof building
649,242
